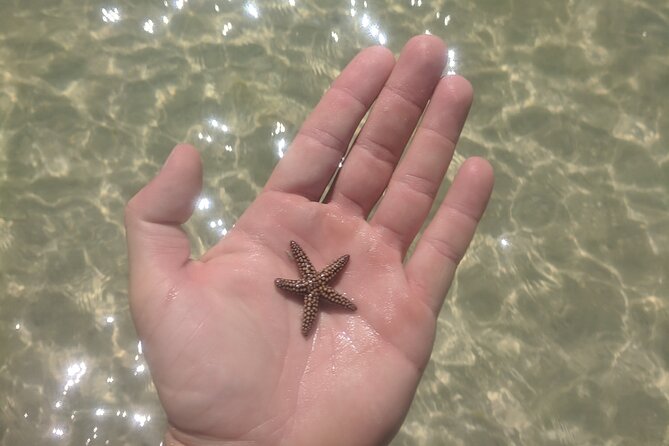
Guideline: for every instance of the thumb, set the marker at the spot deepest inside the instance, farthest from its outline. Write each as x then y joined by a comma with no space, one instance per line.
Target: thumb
153,217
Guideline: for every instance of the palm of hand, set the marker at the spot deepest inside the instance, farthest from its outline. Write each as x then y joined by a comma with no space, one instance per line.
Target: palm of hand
224,344
235,348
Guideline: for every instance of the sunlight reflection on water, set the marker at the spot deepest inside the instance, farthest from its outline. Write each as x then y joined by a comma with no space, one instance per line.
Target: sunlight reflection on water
555,331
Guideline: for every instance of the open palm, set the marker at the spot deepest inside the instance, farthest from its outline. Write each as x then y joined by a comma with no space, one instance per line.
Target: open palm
224,345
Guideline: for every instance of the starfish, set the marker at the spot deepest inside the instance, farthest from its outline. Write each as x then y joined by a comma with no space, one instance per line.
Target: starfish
314,285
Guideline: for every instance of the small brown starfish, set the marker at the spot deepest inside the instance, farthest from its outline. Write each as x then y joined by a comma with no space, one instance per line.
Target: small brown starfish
314,285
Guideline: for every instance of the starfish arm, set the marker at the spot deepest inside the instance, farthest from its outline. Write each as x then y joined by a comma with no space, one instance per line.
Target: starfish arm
309,312
314,286
333,268
303,262
296,286
337,298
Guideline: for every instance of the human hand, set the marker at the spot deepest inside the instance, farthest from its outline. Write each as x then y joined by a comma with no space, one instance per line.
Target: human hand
224,345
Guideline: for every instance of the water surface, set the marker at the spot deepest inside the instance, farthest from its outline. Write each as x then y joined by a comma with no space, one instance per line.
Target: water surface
556,330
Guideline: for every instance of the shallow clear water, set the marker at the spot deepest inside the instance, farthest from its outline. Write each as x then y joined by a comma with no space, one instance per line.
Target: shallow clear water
556,331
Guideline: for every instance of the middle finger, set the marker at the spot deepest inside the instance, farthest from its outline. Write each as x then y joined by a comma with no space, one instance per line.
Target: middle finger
392,120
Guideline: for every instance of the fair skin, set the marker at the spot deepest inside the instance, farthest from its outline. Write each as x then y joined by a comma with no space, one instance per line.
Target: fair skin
224,344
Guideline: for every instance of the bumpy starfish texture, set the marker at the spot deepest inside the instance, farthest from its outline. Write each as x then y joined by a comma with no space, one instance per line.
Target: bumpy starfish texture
314,285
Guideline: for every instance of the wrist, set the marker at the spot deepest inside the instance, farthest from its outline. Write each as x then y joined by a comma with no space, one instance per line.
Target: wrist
175,437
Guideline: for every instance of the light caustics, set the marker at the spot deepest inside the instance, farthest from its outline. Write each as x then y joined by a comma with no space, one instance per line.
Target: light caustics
74,375
366,22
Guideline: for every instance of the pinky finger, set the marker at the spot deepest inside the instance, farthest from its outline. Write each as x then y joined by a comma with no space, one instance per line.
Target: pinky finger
431,268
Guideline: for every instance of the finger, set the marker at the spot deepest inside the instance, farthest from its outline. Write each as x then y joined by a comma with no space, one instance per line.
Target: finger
431,268
154,216
318,148
377,149
416,180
